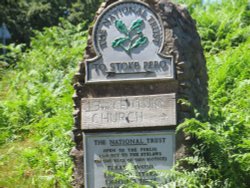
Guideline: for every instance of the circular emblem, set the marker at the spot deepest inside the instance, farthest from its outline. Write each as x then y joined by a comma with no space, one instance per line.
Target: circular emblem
128,37
128,27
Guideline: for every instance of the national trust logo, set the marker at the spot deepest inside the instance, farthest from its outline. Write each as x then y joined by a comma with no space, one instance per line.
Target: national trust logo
126,26
133,38
128,37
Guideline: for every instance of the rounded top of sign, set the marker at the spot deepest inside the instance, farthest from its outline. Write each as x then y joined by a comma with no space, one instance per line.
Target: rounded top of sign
128,28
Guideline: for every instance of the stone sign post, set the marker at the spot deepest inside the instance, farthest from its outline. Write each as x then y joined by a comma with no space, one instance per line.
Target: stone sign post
142,66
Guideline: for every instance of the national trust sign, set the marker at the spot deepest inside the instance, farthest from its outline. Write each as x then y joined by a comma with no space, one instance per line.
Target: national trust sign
128,38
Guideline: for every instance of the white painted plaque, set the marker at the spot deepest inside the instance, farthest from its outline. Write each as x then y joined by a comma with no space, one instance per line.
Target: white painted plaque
129,111
112,151
128,38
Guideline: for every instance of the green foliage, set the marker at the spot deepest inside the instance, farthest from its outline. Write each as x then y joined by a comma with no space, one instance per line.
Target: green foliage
36,105
221,154
221,23
229,29
82,10
14,54
217,150
173,178
24,16
128,178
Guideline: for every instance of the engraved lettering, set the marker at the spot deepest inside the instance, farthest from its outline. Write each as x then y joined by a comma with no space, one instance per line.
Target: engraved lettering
100,142
102,37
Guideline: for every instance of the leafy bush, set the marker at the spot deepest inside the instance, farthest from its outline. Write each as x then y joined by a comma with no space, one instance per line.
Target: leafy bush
22,17
221,155
36,106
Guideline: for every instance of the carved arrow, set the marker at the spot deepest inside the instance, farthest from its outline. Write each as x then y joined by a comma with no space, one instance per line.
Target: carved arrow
113,74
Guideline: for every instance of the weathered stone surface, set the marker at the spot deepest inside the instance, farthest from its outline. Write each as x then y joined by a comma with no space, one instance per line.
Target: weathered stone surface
183,43
77,154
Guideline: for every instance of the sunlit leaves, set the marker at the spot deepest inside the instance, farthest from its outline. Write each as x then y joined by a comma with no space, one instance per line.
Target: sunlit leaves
38,105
